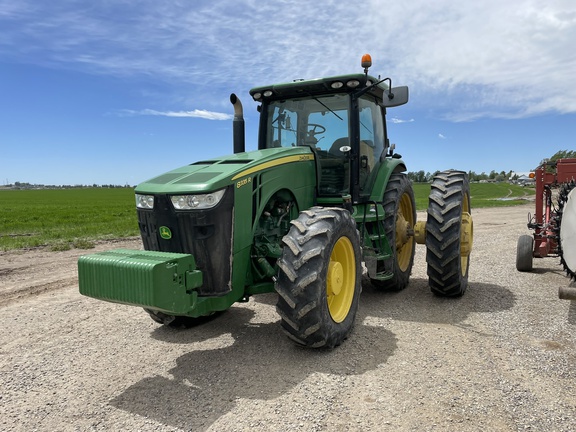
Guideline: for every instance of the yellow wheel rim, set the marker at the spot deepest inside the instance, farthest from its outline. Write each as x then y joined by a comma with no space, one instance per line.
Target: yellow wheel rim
341,279
466,235
404,239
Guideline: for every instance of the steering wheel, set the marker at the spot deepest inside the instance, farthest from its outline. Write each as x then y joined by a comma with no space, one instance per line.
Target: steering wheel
317,129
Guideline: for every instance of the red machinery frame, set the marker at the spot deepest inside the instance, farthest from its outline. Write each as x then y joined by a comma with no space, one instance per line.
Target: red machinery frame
544,221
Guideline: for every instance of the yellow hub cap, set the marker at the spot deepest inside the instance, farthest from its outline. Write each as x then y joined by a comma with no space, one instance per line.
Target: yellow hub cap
404,233
466,236
341,279
335,277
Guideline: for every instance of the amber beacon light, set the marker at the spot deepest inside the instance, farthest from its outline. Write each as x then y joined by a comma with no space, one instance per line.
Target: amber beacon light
366,62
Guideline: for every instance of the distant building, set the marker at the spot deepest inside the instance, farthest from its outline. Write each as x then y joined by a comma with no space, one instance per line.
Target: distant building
524,180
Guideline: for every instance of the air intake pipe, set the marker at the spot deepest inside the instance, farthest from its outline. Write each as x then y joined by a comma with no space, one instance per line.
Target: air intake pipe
238,125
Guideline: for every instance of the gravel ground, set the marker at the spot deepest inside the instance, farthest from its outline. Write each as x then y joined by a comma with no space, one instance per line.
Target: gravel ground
500,358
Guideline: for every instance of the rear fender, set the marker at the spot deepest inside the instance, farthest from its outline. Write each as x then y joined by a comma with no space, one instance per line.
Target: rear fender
385,170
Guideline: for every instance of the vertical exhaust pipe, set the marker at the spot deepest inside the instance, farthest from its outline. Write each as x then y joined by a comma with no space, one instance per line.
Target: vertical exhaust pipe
238,125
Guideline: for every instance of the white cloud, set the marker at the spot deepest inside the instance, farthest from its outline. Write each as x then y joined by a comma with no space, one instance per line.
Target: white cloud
397,120
441,136
467,59
197,113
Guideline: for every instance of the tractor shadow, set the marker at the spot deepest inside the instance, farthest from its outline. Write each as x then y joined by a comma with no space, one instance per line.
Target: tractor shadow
239,355
418,304
233,358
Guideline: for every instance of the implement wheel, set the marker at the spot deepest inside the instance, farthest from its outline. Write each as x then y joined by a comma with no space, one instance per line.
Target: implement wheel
449,233
319,277
400,217
524,253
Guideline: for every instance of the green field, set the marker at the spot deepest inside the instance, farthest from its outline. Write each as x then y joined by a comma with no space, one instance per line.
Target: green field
65,218
74,218
482,195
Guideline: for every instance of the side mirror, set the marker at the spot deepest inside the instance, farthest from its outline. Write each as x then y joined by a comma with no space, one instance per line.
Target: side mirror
395,97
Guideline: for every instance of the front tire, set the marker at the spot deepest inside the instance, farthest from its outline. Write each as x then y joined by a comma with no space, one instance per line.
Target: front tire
319,277
449,233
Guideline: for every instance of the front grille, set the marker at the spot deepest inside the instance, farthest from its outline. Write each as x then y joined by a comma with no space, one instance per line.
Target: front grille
206,234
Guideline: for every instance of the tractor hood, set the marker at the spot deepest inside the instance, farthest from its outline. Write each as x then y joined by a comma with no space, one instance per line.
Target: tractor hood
217,173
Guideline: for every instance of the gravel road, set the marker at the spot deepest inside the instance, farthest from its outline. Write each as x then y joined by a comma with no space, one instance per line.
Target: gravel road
501,358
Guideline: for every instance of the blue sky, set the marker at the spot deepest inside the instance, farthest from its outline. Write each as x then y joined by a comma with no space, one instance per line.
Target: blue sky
119,91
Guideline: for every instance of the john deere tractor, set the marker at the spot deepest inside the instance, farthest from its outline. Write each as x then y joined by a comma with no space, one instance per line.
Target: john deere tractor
324,198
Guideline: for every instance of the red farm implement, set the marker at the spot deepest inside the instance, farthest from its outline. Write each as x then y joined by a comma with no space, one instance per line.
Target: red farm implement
554,221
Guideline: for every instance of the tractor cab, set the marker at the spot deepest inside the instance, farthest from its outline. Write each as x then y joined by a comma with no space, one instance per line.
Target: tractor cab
341,119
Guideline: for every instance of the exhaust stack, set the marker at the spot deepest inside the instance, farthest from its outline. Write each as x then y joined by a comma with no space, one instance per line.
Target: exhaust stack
238,125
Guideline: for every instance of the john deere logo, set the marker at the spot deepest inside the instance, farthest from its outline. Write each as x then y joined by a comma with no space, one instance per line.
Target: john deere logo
165,233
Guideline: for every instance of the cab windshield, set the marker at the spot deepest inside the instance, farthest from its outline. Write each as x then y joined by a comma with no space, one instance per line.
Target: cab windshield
316,122
320,123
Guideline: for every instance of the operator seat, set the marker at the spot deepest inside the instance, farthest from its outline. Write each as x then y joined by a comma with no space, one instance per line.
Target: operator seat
366,161
335,148
333,169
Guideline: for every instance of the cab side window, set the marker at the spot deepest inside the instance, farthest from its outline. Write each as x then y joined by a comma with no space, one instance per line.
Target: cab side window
371,139
282,129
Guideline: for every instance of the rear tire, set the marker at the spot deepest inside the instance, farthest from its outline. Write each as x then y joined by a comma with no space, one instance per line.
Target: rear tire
319,277
449,232
400,217
524,253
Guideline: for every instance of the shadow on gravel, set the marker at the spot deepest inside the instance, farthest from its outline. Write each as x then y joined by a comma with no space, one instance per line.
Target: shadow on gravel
253,361
257,361
546,270
417,303
572,312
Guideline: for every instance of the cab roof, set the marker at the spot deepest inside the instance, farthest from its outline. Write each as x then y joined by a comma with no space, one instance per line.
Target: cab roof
319,86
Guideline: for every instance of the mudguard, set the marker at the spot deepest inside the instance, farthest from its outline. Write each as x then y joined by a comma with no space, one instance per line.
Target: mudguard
387,167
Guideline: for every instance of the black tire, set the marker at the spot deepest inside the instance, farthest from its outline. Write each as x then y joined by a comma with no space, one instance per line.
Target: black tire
179,321
400,217
524,253
319,277
449,233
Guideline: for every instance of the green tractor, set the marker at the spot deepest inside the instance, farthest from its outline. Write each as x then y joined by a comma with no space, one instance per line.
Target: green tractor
324,200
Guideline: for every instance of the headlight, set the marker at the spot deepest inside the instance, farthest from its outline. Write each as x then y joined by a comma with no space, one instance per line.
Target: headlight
197,201
145,201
